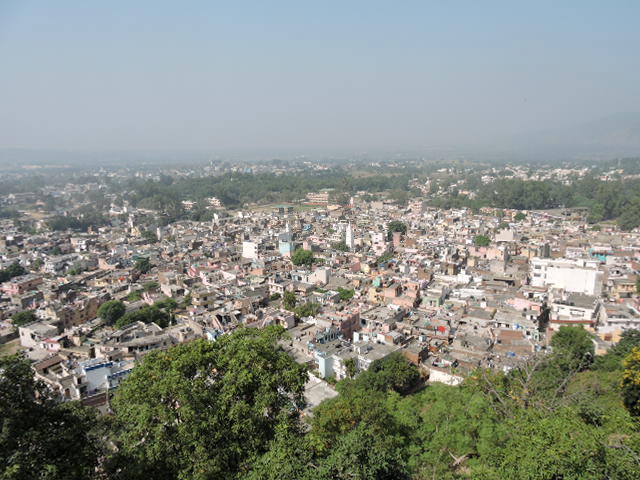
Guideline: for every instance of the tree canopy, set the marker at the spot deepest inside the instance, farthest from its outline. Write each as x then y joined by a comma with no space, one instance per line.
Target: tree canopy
24,317
302,257
39,437
481,241
204,410
111,311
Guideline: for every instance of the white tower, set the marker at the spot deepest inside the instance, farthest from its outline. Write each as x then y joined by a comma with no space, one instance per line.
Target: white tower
349,237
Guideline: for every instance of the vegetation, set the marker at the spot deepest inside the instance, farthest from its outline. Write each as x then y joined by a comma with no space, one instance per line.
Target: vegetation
481,241
340,246
395,226
134,296
147,314
143,265
631,382
302,257
82,221
236,189
151,286
40,438
346,294
604,200
13,270
111,311
384,258
289,300
149,236
308,309
207,410
230,409
23,318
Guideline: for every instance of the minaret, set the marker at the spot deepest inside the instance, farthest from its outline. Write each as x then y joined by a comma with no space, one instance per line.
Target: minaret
349,237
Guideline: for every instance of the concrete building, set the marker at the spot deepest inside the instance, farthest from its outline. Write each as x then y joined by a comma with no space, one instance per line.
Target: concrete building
575,276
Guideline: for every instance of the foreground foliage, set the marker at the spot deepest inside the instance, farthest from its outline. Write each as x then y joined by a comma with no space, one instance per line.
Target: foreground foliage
230,409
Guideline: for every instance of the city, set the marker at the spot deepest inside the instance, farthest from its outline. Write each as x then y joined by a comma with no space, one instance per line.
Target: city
361,240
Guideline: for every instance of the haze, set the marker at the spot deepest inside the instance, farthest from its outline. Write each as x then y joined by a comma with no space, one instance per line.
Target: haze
219,75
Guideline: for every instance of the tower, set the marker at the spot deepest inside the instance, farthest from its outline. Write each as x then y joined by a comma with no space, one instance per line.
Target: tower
349,237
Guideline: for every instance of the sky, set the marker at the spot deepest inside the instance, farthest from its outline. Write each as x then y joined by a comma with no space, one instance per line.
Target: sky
208,75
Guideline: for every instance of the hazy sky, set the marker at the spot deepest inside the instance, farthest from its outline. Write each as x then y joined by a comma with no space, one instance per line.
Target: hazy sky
357,74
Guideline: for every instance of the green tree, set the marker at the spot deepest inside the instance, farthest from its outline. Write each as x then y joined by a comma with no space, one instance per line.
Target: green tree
340,246
302,257
142,265
149,236
111,311
615,356
346,294
39,437
351,367
147,314
631,382
573,348
151,286
13,270
289,300
308,309
481,241
134,296
168,304
203,410
396,226
24,317
393,372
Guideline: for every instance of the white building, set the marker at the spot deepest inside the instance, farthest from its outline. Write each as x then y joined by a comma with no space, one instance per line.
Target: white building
576,276
250,250
349,237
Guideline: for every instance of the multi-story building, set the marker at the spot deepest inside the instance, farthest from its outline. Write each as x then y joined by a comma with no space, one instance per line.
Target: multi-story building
575,276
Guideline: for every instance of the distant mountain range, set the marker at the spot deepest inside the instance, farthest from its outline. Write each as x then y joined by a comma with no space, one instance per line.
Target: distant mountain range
612,136
609,137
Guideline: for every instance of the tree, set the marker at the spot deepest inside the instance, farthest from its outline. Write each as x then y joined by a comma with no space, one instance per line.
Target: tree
614,358
289,300
147,314
481,241
149,236
187,301
13,270
134,296
151,286
351,367
143,265
631,382
40,438
302,257
573,348
384,258
203,410
346,294
308,309
340,246
395,226
519,217
168,304
111,311
24,317
393,372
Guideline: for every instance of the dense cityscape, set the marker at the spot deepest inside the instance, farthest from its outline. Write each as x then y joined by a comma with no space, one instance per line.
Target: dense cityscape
362,240
383,310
